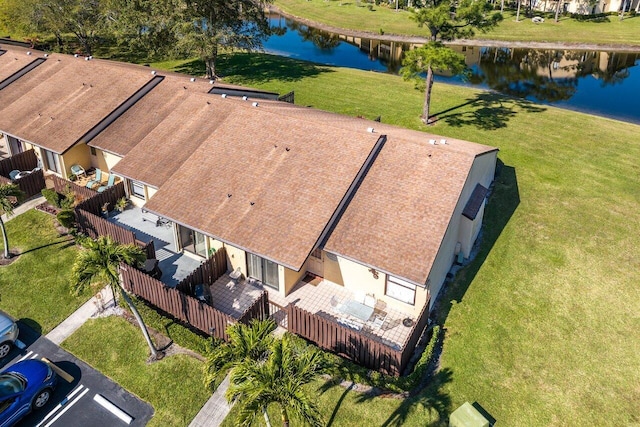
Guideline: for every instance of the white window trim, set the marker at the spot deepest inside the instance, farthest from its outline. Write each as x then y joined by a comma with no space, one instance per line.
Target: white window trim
133,193
400,290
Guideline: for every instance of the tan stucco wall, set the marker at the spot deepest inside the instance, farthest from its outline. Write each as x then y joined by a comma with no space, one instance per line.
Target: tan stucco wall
236,258
215,244
79,155
104,160
482,172
332,269
290,277
150,191
469,230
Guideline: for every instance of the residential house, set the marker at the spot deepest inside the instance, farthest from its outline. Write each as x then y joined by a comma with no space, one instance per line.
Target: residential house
290,192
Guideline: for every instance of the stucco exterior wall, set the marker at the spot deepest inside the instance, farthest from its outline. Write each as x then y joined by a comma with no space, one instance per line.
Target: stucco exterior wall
332,269
236,258
289,278
482,172
77,155
103,160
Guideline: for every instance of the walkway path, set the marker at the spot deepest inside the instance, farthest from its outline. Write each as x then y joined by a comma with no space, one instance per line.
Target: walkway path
27,205
97,304
215,410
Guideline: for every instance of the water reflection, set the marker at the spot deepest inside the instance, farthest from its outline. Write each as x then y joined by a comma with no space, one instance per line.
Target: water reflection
583,80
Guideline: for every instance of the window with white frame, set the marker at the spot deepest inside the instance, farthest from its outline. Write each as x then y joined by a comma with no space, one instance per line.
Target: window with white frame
401,290
137,189
52,161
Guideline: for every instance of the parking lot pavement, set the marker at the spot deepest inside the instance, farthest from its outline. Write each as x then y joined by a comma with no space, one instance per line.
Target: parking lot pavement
90,399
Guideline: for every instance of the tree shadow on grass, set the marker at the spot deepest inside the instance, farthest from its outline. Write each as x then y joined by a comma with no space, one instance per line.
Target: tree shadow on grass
487,111
500,208
432,400
262,67
66,242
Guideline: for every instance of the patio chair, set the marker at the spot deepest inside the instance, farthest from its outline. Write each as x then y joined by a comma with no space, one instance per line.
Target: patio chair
78,170
96,181
110,182
13,174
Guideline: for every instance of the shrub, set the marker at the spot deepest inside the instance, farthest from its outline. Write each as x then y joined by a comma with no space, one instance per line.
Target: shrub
52,197
68,199
67,218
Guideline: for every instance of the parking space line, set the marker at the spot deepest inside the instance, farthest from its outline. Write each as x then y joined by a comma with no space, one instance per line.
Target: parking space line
25,356
61,404
66,408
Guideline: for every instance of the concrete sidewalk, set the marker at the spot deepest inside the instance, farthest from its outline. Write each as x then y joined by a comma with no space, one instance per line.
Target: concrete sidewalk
97,304
25,206
215,410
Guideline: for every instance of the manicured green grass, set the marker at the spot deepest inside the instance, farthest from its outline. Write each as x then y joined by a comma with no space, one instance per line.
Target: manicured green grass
173,386
540,327
354,15
35,287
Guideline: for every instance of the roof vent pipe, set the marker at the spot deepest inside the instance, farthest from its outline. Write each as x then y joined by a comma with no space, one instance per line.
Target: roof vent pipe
432,141
255,104
224,95
193,79
443,141
244,98
370,130
154,72
29,53
211,82
46,55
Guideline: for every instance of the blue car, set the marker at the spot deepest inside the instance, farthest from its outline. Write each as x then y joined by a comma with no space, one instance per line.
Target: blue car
24,386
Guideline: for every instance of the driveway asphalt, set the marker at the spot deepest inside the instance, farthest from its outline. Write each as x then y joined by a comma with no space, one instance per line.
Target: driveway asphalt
75,403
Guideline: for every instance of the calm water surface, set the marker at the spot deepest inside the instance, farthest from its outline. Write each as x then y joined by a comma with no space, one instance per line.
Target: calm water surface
602,83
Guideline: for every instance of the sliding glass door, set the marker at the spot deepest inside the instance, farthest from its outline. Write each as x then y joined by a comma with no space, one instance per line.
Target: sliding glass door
264,270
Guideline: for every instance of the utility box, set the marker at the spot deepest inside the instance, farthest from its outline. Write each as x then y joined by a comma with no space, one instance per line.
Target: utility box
468,416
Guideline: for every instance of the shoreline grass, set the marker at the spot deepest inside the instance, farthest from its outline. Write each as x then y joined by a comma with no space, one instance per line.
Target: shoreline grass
354,15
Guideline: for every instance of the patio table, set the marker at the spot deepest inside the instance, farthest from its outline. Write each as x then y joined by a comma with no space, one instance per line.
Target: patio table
356,309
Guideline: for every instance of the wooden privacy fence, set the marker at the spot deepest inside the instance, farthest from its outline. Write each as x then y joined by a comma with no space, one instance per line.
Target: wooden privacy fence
30,185
352,344
61,186
24,161
109,196
94,226
182,306
414,336
258,310
207,273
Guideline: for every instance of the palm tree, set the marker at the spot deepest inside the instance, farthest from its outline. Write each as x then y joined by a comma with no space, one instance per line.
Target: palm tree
250,342
278,379
100,263
7,193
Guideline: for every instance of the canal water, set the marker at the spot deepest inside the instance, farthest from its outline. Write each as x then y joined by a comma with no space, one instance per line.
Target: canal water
597,82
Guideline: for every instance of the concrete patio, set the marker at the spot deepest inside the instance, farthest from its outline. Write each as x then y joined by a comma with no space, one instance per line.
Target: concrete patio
175,266
324,298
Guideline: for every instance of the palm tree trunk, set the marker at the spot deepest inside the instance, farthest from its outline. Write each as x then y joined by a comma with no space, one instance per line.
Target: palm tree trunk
427,96
285,418
266,416
518,12
557,10
154,353
5,238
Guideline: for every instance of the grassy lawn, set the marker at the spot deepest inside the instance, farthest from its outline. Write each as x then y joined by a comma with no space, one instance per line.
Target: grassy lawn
539,328
173,386
354,15
35,287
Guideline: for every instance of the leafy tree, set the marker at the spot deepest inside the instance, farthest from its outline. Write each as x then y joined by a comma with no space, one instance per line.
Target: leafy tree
213,24
8,193
246,342
446,20
100,263
145,25
83,18
279,379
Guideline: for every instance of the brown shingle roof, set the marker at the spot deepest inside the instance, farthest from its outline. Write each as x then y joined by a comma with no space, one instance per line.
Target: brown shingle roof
13,60
399,215
281,200
55,104
147,114
172,133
